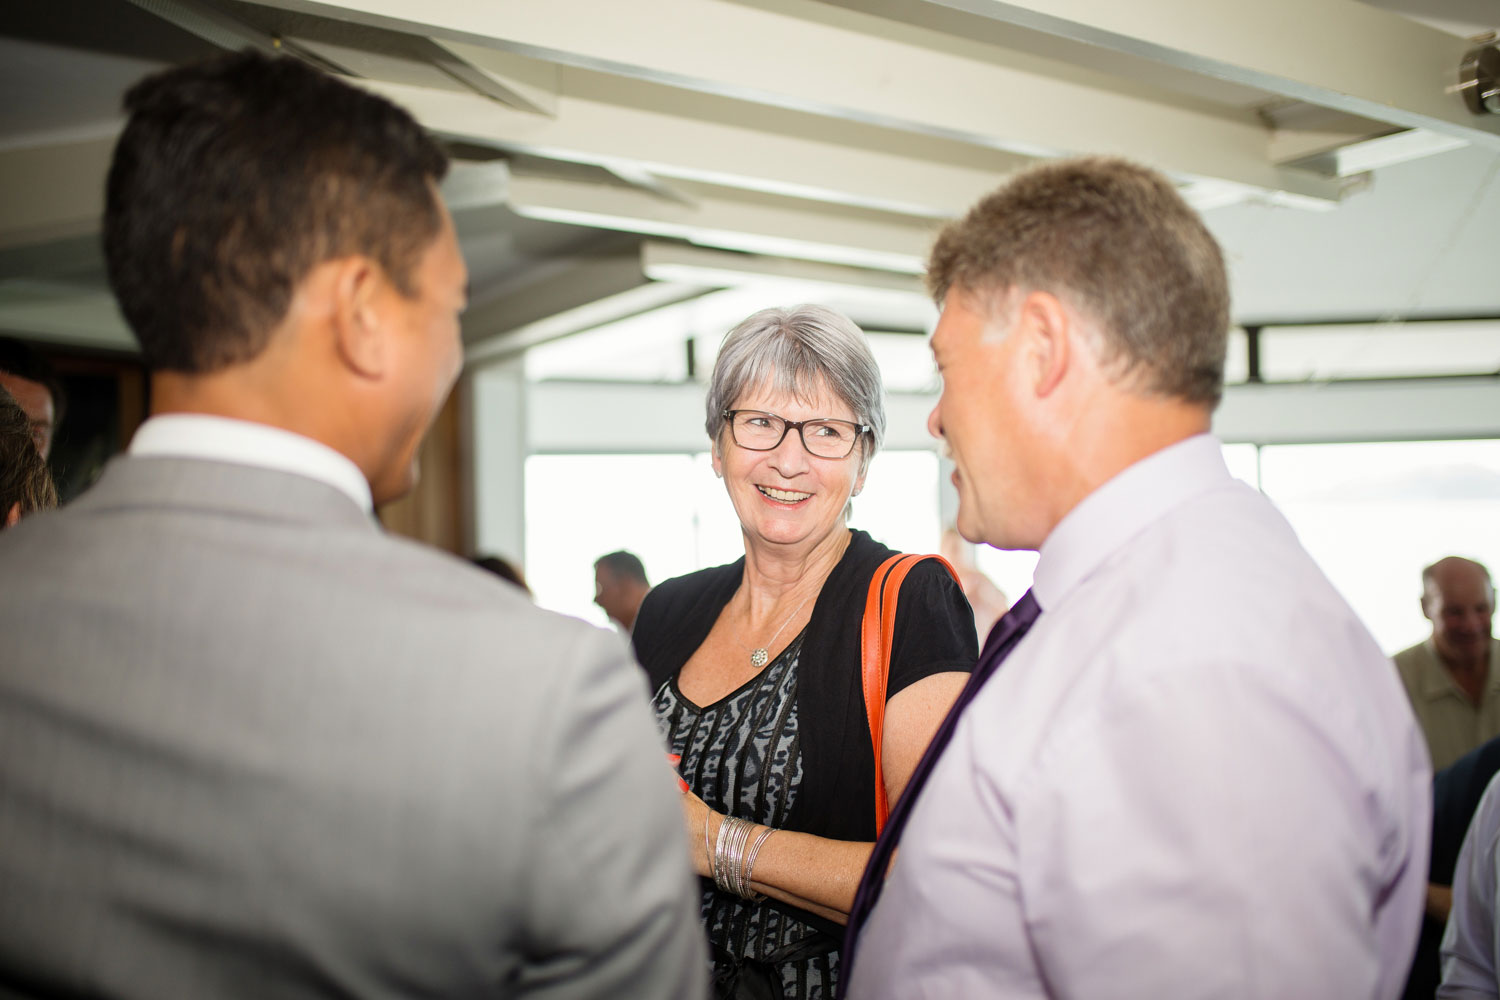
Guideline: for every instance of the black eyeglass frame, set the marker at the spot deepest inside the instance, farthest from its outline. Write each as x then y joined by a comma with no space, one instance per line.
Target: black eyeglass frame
788,425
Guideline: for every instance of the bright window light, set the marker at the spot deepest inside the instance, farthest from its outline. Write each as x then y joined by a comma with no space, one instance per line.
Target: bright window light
1373,515
1012,571
578,507
1243,463
673,512
1386,350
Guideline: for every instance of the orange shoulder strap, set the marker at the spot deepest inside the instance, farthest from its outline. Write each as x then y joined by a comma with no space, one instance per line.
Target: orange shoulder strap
876,634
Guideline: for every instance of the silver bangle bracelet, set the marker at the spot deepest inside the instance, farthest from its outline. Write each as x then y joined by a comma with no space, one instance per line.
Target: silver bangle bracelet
734,856
749,870
708,851
742,884
720,874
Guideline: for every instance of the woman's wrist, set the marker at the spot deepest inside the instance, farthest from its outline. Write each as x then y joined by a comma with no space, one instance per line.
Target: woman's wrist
712,821
735,846
761,835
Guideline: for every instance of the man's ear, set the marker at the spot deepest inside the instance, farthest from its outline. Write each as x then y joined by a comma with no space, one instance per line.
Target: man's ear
13,515
1047,328
1425,613
358,290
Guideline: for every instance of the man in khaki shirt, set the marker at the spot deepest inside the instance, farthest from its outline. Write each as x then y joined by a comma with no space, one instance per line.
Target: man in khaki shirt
1456,699
1454,691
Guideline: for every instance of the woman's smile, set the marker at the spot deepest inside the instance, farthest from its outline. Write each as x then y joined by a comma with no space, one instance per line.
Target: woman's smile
784,498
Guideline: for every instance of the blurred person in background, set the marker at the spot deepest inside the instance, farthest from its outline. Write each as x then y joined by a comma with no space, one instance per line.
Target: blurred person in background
987,600
35,386
1454,689
620,585
504,569
25,483
1451,676
1471,946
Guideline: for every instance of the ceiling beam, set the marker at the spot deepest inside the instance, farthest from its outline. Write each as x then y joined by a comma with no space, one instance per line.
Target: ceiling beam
725,269
70,258
693,136
63,313
1392,410
807,56
524,84
470,185
1341,54
229,32
669,418
733,219
563,299
64,191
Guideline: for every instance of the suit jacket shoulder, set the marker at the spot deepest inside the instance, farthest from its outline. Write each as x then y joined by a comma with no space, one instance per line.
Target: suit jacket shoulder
320,754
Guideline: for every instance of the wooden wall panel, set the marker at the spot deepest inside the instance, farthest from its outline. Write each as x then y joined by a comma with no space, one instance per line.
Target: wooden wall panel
435,511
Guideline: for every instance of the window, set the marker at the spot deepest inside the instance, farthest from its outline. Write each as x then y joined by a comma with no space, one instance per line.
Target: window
1373,515
1012,571
578,507
672,512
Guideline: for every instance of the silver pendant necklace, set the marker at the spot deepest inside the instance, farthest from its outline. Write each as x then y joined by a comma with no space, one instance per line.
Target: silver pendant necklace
761,654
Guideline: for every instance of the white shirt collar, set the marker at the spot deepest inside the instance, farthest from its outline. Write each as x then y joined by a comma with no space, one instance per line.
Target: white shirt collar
220,439
1123,507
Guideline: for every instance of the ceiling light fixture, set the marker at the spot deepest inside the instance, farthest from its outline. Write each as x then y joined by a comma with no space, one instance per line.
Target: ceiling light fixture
1479,79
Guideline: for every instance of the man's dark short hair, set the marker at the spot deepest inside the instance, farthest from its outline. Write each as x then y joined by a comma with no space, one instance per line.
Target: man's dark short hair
1117,241
503,568
625,565
20,359
233,179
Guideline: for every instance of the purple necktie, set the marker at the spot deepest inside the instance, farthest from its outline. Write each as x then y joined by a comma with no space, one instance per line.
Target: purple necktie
1002,639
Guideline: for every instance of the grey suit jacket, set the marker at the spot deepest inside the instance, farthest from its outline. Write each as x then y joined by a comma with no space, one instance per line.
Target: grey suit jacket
250,746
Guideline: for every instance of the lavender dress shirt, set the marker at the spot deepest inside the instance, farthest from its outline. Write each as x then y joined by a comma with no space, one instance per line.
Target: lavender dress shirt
1197,776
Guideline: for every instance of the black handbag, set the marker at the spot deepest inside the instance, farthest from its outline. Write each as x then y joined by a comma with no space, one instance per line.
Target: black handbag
739,978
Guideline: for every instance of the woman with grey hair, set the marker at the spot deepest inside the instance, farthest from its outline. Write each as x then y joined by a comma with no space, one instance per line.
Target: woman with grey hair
755,666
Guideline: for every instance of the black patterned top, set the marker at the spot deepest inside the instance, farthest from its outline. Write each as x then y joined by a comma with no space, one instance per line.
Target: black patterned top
742,755
833,792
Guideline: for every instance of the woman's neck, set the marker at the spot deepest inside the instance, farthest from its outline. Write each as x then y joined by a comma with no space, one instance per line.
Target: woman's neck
779,576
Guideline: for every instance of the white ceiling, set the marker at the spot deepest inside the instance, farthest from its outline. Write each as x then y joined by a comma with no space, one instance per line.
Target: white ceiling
633,174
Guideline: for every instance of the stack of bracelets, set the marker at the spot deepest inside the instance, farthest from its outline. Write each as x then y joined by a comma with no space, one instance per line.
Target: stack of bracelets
732,857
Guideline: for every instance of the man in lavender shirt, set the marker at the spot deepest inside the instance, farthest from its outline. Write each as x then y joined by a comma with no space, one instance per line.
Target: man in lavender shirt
1196,775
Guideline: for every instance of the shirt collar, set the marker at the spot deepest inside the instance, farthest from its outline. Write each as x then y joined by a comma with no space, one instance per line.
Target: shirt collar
242,442
1123,507
1437,682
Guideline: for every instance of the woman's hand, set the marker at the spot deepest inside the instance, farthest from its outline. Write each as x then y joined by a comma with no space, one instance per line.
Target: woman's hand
675,759
811,872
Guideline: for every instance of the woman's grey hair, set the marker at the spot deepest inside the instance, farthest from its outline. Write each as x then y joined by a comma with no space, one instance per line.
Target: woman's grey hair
799,350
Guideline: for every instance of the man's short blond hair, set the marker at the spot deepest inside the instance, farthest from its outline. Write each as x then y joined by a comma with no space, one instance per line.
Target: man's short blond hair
1117,242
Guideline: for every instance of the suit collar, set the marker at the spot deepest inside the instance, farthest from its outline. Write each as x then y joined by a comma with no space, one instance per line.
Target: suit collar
220,439
224,487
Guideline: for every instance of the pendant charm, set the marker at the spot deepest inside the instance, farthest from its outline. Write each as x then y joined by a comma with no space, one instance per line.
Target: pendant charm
758,657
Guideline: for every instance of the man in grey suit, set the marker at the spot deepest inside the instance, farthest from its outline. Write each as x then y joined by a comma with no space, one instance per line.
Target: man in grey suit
250,746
